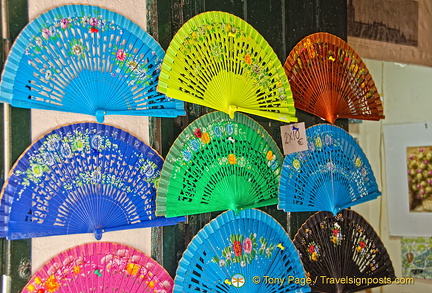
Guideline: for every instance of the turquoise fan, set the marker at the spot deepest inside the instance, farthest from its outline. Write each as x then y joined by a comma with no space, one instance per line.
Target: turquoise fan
235,253
331,175
82,178
85,59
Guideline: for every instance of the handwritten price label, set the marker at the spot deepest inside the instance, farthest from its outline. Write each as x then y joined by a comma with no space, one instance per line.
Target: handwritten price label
294,138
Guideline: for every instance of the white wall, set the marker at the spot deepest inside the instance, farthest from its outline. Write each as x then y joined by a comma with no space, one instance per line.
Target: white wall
43,249
406,92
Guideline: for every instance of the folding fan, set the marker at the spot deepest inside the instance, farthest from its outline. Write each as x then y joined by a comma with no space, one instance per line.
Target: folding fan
250,251
342,253
220,61
218,163
85,59
100,267
331,175
79,178
329,80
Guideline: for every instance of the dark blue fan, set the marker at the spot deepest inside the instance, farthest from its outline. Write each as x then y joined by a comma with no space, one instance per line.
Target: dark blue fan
331,175
86,59
80,178
244,253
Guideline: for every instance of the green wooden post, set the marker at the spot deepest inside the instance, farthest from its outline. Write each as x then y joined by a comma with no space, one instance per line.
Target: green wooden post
15,255
282,23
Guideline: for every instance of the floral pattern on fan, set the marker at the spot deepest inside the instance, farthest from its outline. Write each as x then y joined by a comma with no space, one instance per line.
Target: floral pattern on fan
336,236
73,268
250,62
244,250
314,251
88,28
328,144
224,130
322,50
56,149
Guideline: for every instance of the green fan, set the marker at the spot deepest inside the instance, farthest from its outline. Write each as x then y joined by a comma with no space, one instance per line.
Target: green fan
220,61
218,163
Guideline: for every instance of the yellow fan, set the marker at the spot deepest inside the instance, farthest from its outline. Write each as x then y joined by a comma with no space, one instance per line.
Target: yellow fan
220,61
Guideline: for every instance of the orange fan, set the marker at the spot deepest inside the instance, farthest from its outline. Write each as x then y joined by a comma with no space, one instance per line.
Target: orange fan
328,79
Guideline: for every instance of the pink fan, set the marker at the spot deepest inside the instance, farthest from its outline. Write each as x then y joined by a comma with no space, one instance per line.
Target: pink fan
101,267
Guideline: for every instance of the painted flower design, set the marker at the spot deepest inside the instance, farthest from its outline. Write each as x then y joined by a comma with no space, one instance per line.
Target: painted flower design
269,155
296,164
96,142
205,137
76,270
48,158
198,133
186,155
65,150
237,248
318,142
120,55
132,269
216,51
358,162
46,33
52,284
229,129
362,248
232,159
78,144
93,21
247,245
64,23
336,237
48,75
37,170
133,65
195,145
52,143
248,59
314,251
77,49
244,250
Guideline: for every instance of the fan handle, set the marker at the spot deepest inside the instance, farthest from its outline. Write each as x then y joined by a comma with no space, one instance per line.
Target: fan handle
98,233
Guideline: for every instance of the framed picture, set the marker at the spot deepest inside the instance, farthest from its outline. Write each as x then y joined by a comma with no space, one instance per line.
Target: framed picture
416,257
408,156
392,30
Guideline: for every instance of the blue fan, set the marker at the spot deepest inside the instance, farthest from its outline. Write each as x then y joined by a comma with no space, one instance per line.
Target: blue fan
80,178
331,175
85,59
250,252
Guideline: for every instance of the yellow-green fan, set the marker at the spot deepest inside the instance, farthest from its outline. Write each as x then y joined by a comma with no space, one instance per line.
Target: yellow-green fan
220,61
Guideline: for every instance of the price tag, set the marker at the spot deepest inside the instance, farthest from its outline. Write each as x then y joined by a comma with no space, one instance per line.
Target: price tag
294,138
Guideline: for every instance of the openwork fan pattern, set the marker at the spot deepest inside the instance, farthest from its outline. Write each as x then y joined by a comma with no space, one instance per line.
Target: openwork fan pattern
345,247
218,163
231,250
330,80
331,175
80,178
100,267
85,59
218,60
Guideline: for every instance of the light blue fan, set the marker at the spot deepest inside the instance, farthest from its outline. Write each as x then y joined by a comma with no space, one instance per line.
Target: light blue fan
86,59
244,253
331,175
82,178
